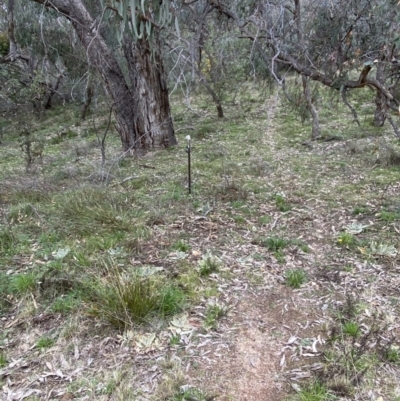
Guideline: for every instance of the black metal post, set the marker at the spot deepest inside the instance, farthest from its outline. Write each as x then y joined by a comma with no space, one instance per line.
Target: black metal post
189,168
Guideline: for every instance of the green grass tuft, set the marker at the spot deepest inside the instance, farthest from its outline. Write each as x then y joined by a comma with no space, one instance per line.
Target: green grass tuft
171,300
281,203
273,244
351,329
44,342
214,313
23,283
181,246
392,355
8,242
295,278
209,264
3,360
346,239
124,299
314,392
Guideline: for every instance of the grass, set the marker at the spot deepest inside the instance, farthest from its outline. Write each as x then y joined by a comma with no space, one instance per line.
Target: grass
214,313
8,242
393,355
172,300
389,217
175,340
295,278
351,329
3,360
360,209
67,303
191,393
313,392
181,246
281,203
134,247
24,283
346,239
355,353
273,244
44,342
276,245
124,300
209,264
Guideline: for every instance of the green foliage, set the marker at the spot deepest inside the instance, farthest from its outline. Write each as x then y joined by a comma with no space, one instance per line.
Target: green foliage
360,210
203,132
273,244
378,249
44,342
3,360
351,329
354,352
301,245
94,210
315,391
181,246
171,300
264,220
295,278
23,283
191,393
4,291
20,212
8,242
123,299
4,44
214,313
175,340
66,303
392,355
346,239
209,264
281,203
130,15
389,217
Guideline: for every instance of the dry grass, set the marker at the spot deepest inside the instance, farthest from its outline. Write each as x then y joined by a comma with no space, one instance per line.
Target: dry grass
262,205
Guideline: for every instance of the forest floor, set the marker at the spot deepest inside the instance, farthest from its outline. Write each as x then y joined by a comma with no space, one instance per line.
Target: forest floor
284,260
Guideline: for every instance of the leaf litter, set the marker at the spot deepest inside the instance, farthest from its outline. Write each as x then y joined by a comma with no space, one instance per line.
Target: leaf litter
271,338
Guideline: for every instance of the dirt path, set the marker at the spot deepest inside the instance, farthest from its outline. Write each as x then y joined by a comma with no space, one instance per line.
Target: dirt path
250,368
265,316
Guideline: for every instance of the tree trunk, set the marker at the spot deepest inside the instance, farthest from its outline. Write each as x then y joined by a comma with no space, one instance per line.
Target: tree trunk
210,90
379,115
51,91
380,99
141,107
310,105
88,100
151,110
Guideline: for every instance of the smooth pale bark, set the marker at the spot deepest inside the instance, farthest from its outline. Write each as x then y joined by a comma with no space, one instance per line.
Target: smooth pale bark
141,106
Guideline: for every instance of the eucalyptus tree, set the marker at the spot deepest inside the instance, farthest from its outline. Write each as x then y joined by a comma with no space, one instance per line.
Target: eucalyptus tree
340,44
207,51
40,57
122,42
